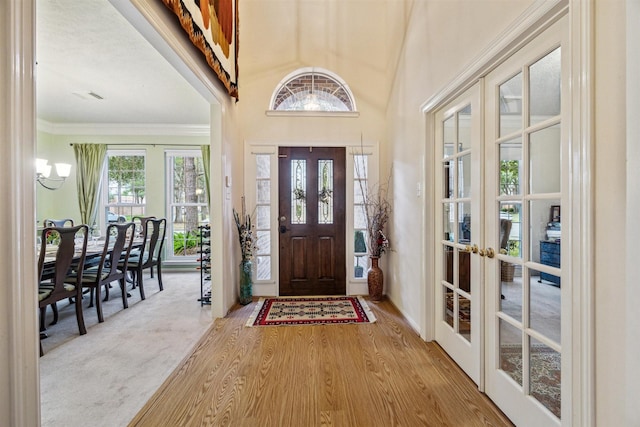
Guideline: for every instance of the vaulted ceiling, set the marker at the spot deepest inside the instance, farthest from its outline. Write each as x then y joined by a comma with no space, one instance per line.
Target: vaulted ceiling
87,49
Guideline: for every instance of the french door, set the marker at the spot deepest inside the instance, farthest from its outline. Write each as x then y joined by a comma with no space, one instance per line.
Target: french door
527,178
311,220
459,151
503,280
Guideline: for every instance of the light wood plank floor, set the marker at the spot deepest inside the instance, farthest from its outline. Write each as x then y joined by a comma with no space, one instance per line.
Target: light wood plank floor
379,374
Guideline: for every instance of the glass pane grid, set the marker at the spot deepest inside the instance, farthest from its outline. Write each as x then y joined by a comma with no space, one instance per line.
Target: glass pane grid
189,208
360,182
262,218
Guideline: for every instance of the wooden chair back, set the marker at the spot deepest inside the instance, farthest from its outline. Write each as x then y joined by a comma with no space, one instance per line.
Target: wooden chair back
69,244
117,246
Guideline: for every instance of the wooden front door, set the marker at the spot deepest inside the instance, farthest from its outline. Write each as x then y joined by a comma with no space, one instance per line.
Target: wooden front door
311,216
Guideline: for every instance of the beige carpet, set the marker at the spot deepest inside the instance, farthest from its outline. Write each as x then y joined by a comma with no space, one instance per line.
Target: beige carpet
103,378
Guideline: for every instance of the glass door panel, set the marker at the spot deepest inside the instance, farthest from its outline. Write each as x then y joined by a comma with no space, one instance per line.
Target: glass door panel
458,328
524,303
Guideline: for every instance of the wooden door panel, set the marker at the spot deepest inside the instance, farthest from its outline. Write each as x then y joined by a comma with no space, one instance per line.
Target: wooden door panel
326,259
298,257
312,249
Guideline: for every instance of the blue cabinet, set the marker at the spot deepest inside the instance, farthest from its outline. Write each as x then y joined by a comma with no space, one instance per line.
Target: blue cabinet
550,255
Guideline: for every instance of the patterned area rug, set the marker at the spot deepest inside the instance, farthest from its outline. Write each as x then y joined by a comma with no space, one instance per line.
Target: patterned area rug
310,311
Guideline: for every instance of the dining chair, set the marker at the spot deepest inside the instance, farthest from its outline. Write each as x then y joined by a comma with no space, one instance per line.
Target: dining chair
150,254
117,245
66,222
62,253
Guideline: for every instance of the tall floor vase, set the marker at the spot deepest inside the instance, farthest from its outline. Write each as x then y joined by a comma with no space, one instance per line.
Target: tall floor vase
246,282
375,280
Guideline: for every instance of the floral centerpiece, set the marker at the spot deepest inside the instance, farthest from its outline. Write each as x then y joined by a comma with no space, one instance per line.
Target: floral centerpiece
248,249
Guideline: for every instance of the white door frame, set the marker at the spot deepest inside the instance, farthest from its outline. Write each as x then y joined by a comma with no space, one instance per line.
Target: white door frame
526,27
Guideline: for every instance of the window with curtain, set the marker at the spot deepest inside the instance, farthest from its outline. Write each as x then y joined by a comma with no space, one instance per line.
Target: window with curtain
186,203
126,185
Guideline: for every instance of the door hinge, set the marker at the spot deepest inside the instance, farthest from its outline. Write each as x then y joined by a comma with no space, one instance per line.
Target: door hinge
282,156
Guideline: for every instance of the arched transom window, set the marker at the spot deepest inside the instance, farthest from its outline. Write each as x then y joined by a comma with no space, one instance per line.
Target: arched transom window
312,89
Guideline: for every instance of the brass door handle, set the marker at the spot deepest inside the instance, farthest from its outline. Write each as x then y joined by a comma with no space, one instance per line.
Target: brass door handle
474,249
482,252
491,253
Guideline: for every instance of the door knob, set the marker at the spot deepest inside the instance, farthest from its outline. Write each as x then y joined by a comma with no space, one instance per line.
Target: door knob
474,249
491,253
482,252
283,229
283,218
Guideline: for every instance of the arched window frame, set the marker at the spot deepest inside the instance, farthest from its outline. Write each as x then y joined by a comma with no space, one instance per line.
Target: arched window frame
313,72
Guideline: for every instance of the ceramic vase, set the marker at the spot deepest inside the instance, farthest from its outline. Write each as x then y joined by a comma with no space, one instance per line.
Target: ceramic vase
246,282
375,280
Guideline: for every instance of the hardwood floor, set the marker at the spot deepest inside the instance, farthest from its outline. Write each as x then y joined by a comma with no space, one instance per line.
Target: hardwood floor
379,374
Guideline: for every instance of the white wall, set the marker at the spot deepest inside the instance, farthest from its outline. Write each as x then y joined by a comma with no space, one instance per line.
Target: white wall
633,207
610,184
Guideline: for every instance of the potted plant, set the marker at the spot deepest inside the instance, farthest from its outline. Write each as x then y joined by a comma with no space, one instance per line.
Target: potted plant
247,248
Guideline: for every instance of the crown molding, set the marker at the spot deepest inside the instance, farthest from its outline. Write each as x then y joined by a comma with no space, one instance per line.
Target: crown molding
123,129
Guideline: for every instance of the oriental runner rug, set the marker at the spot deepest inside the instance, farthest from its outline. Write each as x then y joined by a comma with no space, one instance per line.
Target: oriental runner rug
310,311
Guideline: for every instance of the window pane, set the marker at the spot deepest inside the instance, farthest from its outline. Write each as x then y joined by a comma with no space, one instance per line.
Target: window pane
449,220
510,220
263,166
542,229
464,128
359,218
264,268
263,191
125,187
358,188
464,176
449,171
544,160
511,351
545,375
360,167
464,222
544,88
448,137
263,242
263,217
544,306
511,105
510,167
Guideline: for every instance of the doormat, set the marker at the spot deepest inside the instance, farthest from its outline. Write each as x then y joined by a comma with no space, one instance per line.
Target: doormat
310,311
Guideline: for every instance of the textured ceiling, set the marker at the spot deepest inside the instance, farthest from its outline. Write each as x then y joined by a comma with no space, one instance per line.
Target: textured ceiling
87,46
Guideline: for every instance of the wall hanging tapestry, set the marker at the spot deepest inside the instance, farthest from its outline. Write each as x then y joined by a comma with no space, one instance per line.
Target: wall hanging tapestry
310,310
212,26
